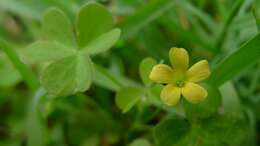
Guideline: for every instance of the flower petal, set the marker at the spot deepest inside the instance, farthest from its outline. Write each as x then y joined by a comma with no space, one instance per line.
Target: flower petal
179,58
194,93
161,73
171,94
199,71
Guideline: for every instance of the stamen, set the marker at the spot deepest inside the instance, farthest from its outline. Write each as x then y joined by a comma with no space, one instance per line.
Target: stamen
179,83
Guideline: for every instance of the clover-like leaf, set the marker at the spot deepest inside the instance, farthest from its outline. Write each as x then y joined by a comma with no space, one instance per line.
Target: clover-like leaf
57,27
84,73
228,129
8,74
70,69
145,69
231,128
92,21
68,75
170,131
103,42
43,51
127,97
58,77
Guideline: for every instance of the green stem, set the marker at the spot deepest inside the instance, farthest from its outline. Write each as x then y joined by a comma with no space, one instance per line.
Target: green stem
36,130
25,72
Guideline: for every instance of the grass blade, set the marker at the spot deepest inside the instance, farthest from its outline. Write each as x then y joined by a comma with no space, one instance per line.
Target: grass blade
147,14
248,54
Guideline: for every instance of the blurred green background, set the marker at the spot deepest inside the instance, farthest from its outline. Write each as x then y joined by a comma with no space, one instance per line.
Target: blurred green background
208,29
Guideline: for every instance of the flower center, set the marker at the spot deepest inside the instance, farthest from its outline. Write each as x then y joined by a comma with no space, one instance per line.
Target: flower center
179,78
179,83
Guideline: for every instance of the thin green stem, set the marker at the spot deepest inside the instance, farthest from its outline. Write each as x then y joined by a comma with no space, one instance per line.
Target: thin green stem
36,130
117,84
28,76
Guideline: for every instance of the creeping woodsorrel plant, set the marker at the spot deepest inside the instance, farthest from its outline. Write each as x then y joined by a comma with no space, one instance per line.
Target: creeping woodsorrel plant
84,95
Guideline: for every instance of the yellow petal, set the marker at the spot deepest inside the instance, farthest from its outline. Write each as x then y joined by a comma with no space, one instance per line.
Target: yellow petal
199,71
179,58
194,93
170,95
161,73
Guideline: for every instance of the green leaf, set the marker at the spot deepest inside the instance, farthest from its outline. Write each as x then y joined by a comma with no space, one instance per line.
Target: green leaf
199,135
227,130
153,94
24,71
84,73
68,76
144,16
92,21
58,77
9,76
127,97
145,69
44,51
230,129
173,26
231,101
57,27
140,142
204,17
170,131
206,108
105,79
257,13
248,54
223,31
103,42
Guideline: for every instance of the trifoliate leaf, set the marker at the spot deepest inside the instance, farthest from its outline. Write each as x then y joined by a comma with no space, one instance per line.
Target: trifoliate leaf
170,131
231,128
92,21
196,136
127,97
57,27
227,130
70,70
145,69
68,75
43,51
103,42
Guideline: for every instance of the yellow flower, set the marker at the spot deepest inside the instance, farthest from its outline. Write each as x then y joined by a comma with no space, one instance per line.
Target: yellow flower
179,79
